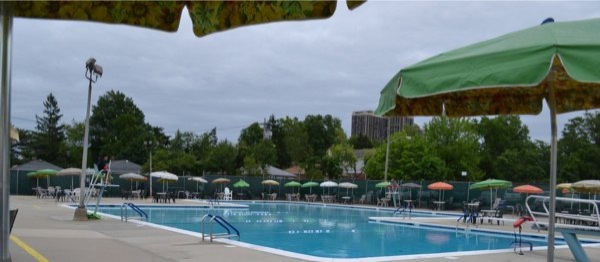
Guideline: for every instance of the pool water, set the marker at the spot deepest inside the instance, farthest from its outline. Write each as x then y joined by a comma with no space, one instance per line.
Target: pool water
330,232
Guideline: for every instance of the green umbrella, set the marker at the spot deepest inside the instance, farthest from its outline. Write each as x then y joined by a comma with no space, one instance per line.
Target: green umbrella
310,185
241,183
42,173
491,184
382,184
511,74
292,184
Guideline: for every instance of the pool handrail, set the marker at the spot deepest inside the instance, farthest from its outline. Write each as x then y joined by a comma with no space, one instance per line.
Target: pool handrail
592,218
223,223
125,214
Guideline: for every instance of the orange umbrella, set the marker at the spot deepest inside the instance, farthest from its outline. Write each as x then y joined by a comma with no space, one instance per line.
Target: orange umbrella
528,189
440,186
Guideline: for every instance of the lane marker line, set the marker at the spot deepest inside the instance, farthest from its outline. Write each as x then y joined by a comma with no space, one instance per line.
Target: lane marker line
28,249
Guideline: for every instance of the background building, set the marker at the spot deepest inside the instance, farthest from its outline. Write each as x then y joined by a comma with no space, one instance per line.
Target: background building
375,127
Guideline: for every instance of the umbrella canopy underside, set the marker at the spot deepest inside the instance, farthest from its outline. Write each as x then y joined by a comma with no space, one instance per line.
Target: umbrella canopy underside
506,75
207,16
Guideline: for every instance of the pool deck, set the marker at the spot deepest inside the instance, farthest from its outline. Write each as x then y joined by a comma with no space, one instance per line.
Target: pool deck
44,229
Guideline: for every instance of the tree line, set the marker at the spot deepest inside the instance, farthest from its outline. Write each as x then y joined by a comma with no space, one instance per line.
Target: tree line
444,148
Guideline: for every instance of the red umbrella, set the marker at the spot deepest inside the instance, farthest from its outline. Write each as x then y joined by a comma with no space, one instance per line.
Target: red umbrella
528,189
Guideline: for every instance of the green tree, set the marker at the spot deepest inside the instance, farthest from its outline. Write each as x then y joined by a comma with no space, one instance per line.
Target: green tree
74,143
456,142
117,128
360,142
322,132
202,148
375,163
265,153
249,138
180,153
221,159
278,136
506,150
295,141
343,157
49,137
579,149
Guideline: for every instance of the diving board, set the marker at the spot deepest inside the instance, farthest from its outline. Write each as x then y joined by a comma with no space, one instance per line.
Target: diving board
570,223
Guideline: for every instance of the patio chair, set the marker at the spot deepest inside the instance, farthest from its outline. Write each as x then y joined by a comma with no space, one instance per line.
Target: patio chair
496,203
362,199
369,199
41,193
498,215
51,191
75,194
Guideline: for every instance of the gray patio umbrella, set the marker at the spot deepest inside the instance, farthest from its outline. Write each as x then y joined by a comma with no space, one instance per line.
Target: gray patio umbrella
410,186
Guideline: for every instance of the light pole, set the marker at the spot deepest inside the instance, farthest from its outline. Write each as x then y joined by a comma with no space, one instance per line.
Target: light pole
92,72
387,150
148,145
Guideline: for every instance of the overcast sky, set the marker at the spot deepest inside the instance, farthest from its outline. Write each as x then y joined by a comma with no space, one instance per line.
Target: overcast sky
232,79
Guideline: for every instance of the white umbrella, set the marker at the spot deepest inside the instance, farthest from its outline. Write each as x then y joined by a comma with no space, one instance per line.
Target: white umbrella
348,185
132,177
329,184
164,176
72,171
198,180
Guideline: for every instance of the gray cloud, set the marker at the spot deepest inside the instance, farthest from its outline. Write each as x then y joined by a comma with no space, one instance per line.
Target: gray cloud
231,79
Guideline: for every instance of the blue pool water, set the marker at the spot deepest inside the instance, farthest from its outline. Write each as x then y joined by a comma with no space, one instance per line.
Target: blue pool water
330,232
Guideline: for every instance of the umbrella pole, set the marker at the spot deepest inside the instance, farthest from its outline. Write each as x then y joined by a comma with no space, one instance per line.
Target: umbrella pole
491,199
551,101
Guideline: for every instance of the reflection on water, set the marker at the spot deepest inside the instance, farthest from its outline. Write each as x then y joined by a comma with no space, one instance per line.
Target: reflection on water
330,232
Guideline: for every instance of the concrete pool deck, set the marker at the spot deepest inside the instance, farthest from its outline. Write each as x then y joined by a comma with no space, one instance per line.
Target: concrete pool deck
46,228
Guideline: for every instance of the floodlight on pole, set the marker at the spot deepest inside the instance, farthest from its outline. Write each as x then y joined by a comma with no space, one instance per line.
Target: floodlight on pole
92,72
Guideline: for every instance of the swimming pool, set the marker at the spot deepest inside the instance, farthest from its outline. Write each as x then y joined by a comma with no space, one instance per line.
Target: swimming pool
330,232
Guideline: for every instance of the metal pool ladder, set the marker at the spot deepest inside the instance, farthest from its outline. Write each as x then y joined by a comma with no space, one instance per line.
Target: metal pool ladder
125,214
212,219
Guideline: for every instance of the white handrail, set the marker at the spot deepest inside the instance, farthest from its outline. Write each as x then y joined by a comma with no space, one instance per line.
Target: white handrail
592,221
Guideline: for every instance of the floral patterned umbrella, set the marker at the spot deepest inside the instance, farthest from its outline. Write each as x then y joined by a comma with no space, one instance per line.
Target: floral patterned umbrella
207,17
510,74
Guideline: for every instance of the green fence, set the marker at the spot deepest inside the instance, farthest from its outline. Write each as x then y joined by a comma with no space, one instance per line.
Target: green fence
22,185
